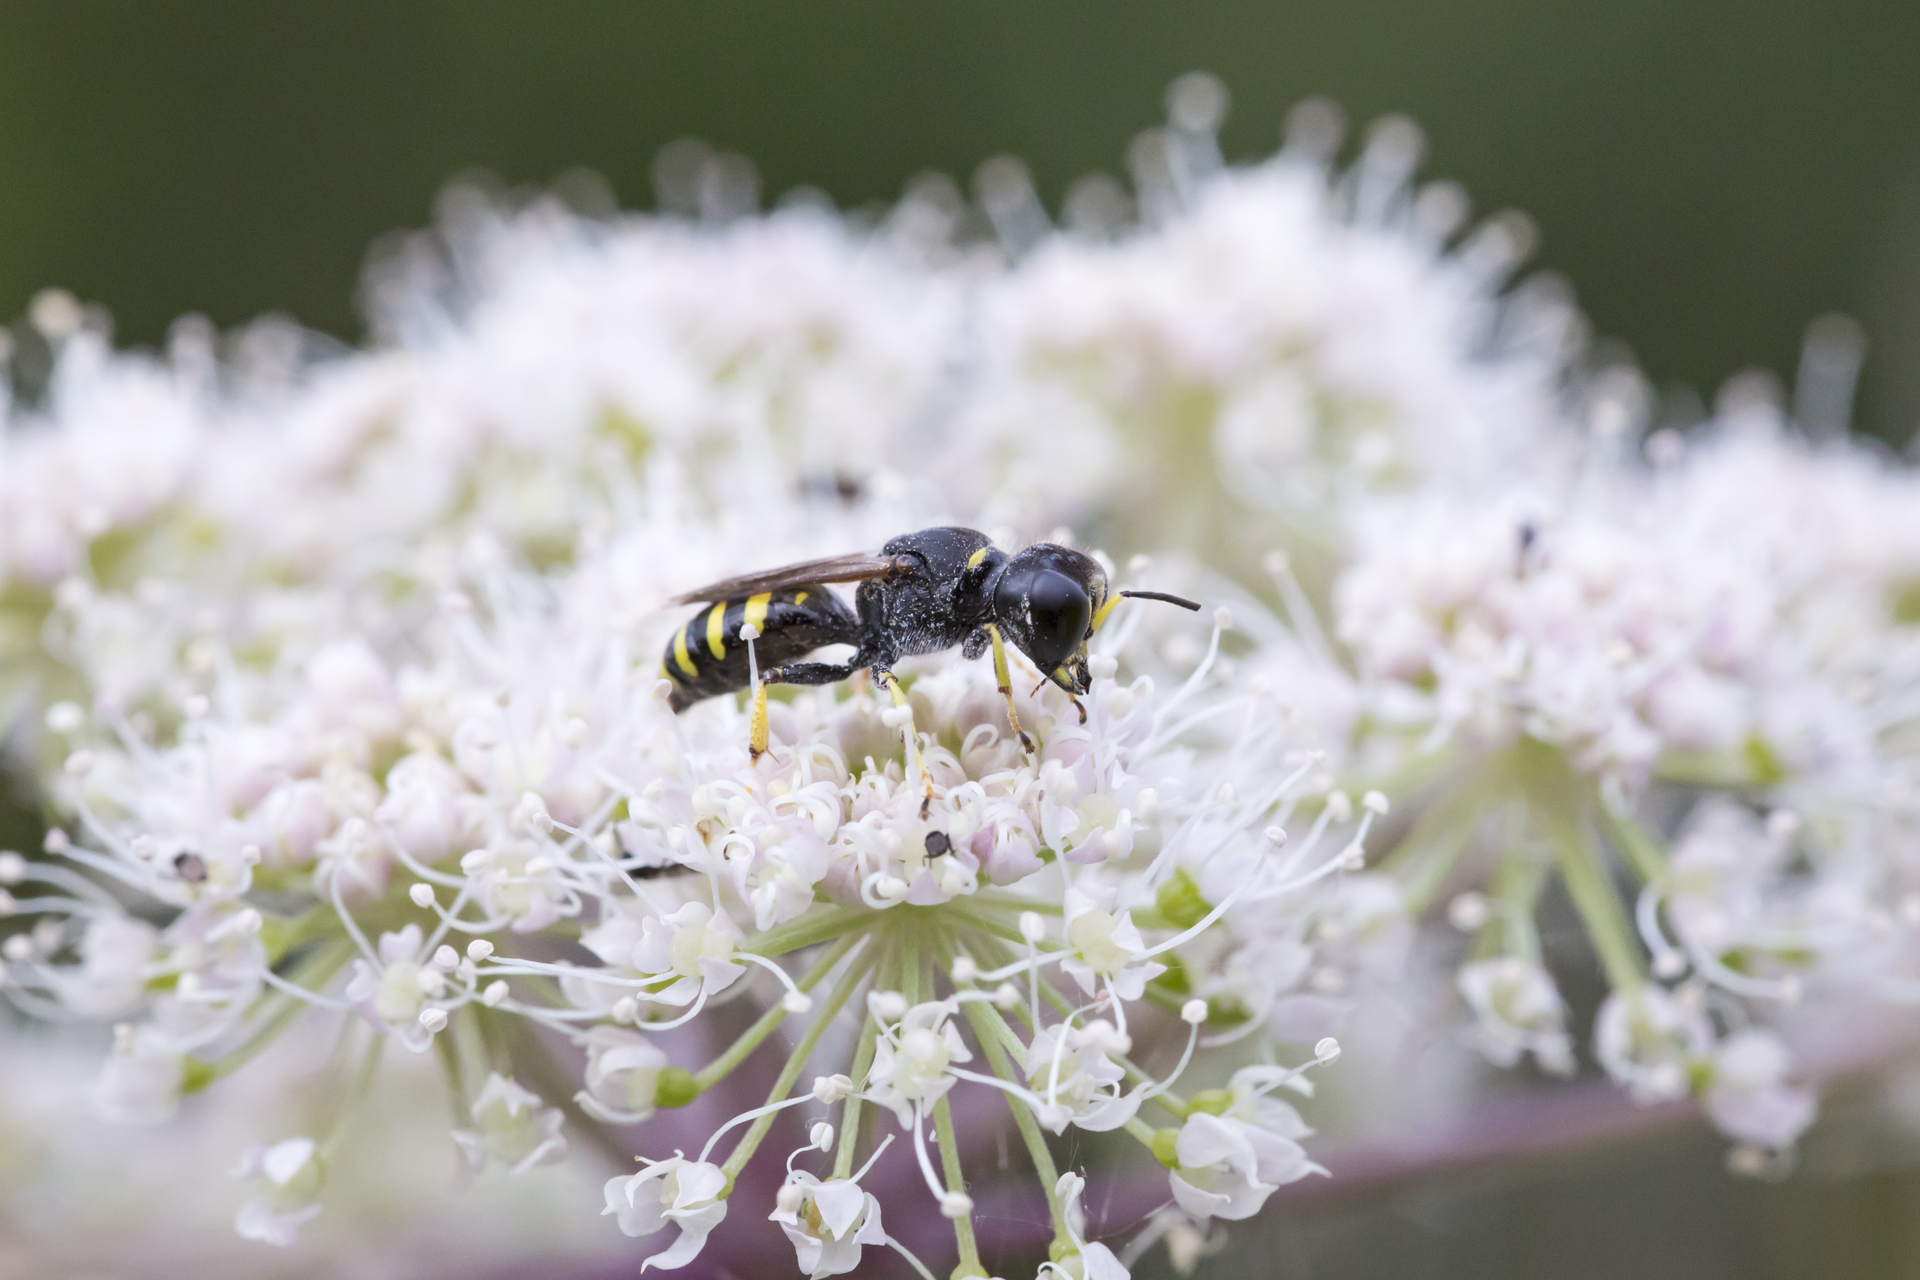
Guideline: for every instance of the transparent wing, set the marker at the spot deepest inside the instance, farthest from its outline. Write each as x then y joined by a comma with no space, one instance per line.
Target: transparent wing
854,568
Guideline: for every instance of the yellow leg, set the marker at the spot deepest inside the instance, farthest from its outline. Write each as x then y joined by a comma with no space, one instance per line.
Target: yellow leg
1005,678
912,739
757,737
757,722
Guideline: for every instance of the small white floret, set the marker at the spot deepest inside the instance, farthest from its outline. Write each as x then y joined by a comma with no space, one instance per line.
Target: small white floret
1467,912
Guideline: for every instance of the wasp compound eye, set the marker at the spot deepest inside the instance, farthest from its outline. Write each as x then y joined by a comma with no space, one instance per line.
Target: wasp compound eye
1058,613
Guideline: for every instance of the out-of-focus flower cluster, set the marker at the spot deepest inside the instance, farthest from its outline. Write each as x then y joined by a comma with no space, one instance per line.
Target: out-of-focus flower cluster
343,678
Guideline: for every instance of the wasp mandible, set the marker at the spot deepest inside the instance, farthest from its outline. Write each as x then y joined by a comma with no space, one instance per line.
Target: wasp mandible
925,592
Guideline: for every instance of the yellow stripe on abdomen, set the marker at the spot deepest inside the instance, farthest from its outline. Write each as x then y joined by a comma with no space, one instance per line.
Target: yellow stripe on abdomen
716,638
757,610
680,655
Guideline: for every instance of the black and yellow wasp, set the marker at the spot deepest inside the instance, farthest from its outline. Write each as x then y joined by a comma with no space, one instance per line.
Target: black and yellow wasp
923,593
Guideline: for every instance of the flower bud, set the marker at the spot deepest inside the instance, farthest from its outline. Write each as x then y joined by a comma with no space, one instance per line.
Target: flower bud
832,1089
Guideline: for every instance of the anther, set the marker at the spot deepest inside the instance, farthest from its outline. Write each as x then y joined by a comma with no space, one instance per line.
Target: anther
1276,836
964,971
479,949
796,1002
625,1009
887,1006
821,1135
422,895
13,867
1374,802
1006,996
956,1204
832,1089
446,958
1193,1012
434,1020
1032,927
495,994
1326,1050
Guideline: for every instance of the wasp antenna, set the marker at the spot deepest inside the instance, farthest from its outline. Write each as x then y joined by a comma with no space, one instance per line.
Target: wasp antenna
1182,601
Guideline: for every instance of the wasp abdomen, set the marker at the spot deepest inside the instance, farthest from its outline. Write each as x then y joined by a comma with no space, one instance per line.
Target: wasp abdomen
707,658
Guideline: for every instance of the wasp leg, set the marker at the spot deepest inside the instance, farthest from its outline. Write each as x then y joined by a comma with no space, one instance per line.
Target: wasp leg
1005,678
892,684
1078,707
757,732
796,673
814,672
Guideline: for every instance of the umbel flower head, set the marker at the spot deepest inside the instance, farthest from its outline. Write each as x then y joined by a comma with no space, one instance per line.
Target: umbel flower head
994,918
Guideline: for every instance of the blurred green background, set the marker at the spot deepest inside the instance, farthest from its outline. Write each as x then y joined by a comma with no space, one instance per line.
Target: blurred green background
1710,175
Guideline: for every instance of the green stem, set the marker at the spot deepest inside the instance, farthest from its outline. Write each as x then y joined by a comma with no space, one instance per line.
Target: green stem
1643,852
886,970
983,1016
1517,882
355,1096
737,1053
823,1016
319,969
1013,902
956,1181
1596,902
942,950
1427,853
808,930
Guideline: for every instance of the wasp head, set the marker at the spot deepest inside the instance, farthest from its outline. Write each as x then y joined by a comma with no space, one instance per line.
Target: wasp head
1045,601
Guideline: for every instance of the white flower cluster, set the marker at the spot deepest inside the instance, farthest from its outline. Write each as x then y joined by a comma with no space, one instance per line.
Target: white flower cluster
325,837
348,672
